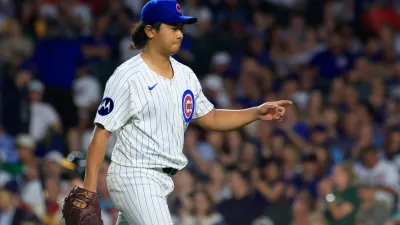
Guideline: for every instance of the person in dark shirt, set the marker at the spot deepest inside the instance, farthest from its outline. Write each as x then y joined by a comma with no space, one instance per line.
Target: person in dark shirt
308,179
12,211
56,60
242,208
14,105
334,61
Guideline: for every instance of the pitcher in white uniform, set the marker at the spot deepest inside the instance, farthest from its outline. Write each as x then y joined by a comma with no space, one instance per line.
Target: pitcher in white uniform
149,102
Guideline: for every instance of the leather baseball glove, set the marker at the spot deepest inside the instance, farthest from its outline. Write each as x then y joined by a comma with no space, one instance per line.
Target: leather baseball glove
89,214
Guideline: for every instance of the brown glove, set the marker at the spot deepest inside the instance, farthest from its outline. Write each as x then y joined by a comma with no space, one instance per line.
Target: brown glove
89,215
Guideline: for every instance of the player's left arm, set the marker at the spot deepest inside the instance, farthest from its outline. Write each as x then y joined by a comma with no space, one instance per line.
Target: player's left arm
227,120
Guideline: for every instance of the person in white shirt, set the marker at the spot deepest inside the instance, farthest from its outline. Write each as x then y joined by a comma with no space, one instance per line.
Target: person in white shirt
44,117
87,95
383,173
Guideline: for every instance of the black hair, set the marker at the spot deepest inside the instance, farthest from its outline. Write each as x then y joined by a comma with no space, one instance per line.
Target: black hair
139,37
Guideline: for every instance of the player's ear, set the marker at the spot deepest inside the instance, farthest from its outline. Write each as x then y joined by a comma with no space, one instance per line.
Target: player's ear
150,31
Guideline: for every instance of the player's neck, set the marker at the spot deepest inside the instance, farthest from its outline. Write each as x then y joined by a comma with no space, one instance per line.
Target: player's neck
155,60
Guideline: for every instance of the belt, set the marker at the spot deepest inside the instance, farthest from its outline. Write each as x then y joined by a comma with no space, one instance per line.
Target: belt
170,171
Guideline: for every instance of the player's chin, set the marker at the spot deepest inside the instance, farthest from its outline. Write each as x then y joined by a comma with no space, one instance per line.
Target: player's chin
175,48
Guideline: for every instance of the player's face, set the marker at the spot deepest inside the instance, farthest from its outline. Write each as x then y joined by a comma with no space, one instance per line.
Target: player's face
169,38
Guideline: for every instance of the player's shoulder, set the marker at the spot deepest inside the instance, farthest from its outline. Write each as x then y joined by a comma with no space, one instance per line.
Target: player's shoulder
129,68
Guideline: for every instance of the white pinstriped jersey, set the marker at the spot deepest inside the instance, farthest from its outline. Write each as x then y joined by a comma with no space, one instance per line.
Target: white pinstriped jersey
150,113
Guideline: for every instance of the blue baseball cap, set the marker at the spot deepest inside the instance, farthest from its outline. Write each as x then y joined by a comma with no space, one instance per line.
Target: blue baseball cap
165,11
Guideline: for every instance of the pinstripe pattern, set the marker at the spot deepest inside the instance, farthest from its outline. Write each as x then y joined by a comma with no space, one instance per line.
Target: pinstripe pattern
141,196
150,126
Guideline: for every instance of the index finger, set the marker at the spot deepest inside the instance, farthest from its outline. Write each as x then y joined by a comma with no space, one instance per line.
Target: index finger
283,102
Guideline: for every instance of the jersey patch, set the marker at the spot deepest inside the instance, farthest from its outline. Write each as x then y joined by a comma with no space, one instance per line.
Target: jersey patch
106,106
188,105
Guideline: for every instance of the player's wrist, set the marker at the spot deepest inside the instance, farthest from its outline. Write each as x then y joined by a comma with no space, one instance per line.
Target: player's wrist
255,111
89,187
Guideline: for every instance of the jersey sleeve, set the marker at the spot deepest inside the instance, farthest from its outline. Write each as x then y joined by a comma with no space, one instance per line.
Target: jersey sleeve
117,105
202,104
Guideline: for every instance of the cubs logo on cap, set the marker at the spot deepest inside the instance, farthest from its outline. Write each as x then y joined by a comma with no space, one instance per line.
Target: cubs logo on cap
165,11
188,105
178,8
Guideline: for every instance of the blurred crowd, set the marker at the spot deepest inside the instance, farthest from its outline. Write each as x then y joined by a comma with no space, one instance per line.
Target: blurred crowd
333,160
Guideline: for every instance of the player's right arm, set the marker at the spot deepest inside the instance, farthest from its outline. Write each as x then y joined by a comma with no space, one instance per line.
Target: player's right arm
95,156
116,108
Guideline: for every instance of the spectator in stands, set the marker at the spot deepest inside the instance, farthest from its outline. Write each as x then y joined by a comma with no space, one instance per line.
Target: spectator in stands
58,82
179,200
45,121
308,178
247,157
334,61
52,164
393,82
272,191
290,162
325,162
269,184
32,193
217,187
8,154
317,219
11,209
98,46
87,96
343,203
372,212
382,172
53,212
202,212
301,209
392,146
229,155
15,111
201,153
242,200
26,155
14,43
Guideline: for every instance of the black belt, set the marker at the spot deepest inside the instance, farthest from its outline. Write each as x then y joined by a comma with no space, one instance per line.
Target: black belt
170,171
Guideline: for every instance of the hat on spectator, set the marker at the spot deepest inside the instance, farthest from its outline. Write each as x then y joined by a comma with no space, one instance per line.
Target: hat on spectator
25,141
221,58
36,85
11,186
54,156
166,11
57,157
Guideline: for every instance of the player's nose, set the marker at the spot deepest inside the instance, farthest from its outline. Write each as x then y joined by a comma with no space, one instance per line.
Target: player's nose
179,34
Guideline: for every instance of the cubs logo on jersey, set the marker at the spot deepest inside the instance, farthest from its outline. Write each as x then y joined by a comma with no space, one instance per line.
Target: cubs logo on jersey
188,105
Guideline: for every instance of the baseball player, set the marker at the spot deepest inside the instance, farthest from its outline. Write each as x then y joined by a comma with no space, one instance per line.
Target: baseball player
149,102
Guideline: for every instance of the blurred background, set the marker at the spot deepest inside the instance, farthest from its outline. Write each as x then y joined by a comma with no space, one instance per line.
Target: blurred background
333,160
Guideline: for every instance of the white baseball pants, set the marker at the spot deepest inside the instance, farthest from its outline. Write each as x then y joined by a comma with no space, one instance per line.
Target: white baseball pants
140,195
